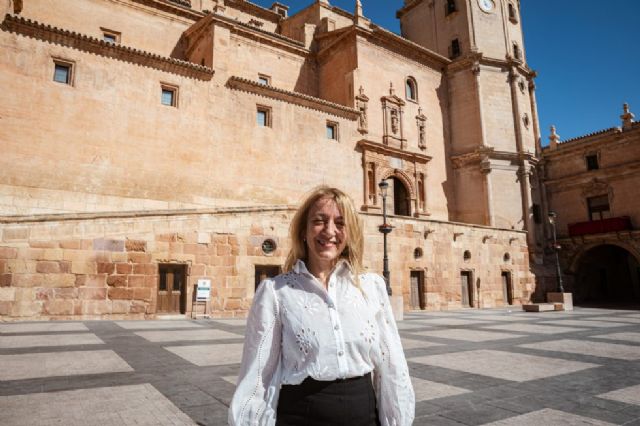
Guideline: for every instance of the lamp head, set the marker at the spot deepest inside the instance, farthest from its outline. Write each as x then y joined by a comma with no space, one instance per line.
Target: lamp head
384,186
552,217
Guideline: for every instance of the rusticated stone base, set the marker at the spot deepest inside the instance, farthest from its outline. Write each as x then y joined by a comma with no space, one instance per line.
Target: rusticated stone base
107,267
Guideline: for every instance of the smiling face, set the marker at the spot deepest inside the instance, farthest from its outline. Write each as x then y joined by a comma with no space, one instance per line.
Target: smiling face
325,234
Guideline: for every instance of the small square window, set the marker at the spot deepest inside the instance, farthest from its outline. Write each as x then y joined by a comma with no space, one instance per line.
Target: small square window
264,79
110,36
263,116
592,162
62,72
169,96
332,130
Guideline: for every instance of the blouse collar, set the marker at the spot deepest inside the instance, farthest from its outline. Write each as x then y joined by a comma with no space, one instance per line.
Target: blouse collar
343,267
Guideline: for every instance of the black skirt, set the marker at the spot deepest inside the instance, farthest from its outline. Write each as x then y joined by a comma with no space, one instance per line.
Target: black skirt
348,402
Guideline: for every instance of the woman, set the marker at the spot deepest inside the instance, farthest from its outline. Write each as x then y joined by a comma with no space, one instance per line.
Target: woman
317,333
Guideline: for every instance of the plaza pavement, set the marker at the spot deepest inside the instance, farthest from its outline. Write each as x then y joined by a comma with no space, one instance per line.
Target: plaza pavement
469,367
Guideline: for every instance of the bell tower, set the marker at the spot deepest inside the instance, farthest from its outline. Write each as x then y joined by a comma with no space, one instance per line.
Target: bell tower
492,113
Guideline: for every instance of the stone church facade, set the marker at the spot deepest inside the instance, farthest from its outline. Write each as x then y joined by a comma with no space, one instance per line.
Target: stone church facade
592,183
149,144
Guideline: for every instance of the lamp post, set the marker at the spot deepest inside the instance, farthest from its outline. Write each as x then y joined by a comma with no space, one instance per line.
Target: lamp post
385,228
556,249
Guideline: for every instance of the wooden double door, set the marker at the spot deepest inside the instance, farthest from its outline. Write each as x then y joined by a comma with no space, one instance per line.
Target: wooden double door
172,289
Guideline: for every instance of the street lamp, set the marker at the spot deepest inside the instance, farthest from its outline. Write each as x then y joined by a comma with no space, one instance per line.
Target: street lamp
385,228
556,249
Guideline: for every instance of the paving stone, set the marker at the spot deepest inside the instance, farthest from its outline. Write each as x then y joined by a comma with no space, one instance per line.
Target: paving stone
626,337
42,327
417,344
109,406
413,325
630,395
467,335
548,417
451,321
31,341
426,390
203,355
533,328
49,364
503,365
186,335
231,321
599,349
585,323
152,325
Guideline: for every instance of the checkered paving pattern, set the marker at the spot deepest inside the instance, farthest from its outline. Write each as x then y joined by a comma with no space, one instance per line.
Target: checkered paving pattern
468,367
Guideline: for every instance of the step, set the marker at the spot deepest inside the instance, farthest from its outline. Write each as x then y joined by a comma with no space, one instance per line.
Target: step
539,307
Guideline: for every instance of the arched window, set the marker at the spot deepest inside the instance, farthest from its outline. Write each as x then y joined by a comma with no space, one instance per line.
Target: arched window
411,89
513,17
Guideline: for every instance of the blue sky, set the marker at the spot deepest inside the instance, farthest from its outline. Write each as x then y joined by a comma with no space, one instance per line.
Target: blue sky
586,54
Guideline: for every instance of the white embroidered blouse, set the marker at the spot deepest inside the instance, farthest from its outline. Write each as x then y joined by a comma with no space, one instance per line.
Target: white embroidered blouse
297,329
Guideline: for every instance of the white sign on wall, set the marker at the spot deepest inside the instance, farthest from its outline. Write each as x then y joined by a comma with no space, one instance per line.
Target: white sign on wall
203,292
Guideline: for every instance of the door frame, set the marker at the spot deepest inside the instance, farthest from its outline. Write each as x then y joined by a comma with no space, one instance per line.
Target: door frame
509,295
422,300
471,288
182,303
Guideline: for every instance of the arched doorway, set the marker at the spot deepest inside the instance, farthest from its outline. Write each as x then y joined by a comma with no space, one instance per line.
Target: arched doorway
607,274
401,198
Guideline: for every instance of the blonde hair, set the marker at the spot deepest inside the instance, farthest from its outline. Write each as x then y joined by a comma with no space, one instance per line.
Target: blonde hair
352,253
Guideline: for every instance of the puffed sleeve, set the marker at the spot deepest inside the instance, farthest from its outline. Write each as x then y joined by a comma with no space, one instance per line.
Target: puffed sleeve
255,400
394,392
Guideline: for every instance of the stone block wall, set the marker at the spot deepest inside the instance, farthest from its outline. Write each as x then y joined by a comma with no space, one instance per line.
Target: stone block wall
107,268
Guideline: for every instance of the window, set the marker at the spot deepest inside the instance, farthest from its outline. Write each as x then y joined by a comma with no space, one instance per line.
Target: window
537,216
516,51
455,48
512,13
110,36
450,7
592,162
332,130
263,116
63,72
264,79
599,207
169,96
411,89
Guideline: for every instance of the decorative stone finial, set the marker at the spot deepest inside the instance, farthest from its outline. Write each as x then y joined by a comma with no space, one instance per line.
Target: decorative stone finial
358,11
554,138
392,91
627,117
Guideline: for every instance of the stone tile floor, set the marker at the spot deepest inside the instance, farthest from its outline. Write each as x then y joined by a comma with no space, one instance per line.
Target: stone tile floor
468,367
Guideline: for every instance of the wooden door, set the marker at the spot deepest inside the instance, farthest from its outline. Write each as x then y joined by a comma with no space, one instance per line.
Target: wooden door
466,289
417,290
415,295
171,289
265,271
507,291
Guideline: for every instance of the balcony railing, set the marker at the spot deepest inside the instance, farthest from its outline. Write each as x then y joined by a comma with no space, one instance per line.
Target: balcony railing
614,224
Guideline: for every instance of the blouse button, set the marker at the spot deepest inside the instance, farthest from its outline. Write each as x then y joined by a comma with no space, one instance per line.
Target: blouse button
336,327
340,353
